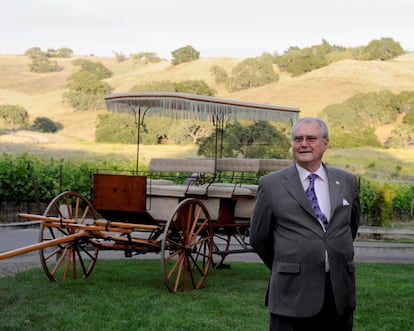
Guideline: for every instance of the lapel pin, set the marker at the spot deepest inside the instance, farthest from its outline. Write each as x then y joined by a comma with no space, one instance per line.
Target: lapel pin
337,183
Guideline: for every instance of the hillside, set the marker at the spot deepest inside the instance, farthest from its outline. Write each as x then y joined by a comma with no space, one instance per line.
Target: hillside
41,94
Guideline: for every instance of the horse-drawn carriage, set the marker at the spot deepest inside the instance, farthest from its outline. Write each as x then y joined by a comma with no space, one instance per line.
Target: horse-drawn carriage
187,222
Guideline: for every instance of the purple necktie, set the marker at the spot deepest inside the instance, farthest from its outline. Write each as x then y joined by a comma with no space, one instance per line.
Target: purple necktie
310,192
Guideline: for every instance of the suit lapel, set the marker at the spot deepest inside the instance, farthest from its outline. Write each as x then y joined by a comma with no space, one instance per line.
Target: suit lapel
335,187
294,187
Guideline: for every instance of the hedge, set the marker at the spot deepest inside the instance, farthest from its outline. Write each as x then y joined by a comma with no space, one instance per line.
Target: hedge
28,178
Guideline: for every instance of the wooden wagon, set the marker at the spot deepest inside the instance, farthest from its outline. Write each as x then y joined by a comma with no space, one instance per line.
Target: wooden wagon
186,223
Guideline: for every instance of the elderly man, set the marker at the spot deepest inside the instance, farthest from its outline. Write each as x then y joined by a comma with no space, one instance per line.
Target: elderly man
303,226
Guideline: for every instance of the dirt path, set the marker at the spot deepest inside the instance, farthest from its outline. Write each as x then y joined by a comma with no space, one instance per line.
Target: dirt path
28,137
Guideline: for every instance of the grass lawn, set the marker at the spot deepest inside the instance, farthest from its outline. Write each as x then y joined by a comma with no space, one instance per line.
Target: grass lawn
130,295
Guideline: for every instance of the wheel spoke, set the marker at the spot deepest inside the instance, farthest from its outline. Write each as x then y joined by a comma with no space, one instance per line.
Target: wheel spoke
67,264
54,253
73,257
174,255
81,258
178,263
85,214
59,261
77,209
201,228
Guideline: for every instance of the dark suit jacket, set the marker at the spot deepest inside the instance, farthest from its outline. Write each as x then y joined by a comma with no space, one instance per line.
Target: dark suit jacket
286,234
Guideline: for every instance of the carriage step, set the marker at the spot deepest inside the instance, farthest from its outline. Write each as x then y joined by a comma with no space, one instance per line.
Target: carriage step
234,251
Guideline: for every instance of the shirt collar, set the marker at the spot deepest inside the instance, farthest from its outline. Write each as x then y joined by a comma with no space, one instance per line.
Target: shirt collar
303,173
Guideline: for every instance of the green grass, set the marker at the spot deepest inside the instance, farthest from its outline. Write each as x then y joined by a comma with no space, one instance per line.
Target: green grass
385,297
130,295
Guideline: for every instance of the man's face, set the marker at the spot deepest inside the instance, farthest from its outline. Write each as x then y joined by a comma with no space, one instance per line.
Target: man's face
308,145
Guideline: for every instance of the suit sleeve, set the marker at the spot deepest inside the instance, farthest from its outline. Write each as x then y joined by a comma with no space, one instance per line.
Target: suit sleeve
261,227
356,210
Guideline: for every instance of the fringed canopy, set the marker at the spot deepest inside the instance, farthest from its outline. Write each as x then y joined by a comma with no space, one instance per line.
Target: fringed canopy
182,105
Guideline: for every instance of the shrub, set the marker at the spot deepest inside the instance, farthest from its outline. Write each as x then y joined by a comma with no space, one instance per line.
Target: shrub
184,54
14,115
44,124
403,202
28,178
382,201
250,73
42,64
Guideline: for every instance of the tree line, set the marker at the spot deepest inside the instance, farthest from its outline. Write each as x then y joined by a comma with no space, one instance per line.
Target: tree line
86,89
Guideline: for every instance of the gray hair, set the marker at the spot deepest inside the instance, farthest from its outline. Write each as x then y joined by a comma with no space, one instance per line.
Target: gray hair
322,124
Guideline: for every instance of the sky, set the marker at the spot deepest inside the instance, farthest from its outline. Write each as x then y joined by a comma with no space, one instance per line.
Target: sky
215,28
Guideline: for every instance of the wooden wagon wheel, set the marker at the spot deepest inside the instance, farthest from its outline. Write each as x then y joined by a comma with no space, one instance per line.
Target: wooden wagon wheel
225,237
73,258
222,252
187,246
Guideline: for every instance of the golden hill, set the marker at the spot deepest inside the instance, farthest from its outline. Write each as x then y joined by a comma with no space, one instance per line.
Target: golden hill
41,94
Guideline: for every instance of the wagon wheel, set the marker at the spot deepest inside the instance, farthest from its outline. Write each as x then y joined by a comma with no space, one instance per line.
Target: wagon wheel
187,246
76,257
224,240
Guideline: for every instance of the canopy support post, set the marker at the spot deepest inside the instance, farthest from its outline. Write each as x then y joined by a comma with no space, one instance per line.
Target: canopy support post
218,122
140,121
138,139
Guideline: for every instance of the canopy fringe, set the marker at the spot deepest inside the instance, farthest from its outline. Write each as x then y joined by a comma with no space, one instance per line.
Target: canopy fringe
181,105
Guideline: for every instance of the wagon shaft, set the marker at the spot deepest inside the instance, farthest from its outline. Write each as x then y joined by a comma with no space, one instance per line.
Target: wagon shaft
132,226
98,224
45,218
44,244
124,242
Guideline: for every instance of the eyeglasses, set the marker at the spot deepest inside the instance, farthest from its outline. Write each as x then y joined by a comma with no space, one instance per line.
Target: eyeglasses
308,139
